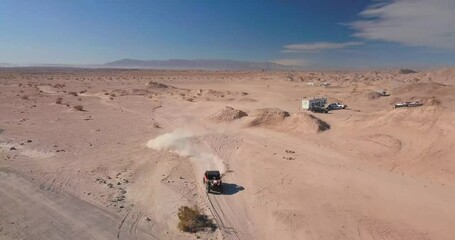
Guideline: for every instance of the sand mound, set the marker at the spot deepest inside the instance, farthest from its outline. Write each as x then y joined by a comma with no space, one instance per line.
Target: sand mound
228,114
300,122
267,116
304,122
418,118
433,102
446,76
422,88
246,99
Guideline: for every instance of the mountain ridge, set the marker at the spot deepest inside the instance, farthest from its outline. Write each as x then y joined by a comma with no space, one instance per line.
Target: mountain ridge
199,64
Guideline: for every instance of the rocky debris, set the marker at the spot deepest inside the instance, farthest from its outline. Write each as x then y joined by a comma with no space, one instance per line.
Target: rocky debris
100,180
289,158
153,84
140,92
290,151
118,197
79,108
12,149
58,85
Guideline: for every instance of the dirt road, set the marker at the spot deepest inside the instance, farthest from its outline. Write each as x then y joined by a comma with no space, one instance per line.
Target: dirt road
33,213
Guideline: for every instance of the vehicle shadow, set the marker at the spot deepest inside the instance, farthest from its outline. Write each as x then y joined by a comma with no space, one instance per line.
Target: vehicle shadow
231,188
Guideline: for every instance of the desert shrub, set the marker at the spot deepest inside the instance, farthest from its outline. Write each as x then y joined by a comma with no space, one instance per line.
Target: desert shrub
73,93
192,220
24,97
79,107
59,100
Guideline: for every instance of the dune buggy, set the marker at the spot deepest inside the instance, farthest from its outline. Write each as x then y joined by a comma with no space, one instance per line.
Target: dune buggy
212,181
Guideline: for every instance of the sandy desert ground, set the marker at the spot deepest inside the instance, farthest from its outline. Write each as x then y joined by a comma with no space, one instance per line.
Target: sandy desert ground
122,167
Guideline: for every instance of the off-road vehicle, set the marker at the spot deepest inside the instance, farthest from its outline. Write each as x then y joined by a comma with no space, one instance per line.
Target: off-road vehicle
212,181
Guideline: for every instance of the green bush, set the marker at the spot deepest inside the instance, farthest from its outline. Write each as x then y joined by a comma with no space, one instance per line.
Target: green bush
192,220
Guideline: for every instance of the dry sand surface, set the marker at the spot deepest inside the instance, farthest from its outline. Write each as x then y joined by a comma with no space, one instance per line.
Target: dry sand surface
113,154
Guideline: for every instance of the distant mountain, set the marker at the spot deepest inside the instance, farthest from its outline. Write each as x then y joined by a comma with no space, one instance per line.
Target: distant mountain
6,65
406,71
197,64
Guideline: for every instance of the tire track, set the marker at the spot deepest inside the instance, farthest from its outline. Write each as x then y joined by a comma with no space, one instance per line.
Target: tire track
121,224
223,223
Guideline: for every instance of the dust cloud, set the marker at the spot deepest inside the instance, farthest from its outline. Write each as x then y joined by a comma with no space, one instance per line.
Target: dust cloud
179,142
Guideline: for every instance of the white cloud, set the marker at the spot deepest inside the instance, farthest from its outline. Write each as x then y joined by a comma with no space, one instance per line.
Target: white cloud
318,46
428,23
293,62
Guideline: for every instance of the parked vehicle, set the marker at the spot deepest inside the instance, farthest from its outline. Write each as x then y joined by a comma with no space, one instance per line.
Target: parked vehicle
408,104
336,106
415,104
212,181
384,93
319,110
400,105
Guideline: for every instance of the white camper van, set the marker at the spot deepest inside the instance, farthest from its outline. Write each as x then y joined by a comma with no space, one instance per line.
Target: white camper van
314,102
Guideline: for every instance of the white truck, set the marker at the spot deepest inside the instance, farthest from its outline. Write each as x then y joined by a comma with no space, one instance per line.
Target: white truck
336,106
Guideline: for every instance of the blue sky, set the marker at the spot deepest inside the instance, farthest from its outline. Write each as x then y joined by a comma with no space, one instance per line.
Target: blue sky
310,33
